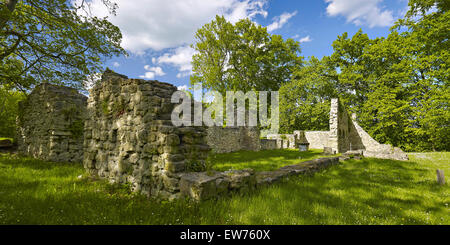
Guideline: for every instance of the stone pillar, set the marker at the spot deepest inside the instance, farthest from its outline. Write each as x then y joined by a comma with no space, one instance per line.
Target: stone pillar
333,139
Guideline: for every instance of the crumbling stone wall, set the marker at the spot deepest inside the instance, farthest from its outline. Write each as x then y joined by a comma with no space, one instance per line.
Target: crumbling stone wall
231,139
339,139
129,137
371,148
316,139
50,124
268,144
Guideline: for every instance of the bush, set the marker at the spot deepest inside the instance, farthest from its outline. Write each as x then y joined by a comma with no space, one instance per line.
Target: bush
9,110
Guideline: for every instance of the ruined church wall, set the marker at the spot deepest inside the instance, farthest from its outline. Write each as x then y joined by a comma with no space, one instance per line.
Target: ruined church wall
316,139
371,147
129,137
231,139
50,124
338,139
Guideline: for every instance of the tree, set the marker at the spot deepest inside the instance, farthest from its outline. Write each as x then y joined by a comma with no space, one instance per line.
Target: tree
243,57
54,41
305,101
349,58
429,85
399,85
8,111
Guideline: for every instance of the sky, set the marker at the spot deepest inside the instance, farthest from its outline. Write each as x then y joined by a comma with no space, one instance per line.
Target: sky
157,33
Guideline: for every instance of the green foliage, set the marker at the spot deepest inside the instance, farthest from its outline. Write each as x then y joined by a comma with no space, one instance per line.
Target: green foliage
398,85
242,56
53,41
73,115
370,191
305,101
9,110
194,165
76,128
104,107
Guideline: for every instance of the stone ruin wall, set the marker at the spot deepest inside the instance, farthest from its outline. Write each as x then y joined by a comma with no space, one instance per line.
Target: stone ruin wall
316,139
50,124
345,135
231,139
268,144
371,147
129,137
283,141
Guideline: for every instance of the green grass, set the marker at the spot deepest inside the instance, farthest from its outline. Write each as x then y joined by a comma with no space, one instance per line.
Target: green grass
370,191
263,160
3,138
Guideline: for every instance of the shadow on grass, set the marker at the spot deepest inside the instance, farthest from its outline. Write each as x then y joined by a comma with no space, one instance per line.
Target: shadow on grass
360,193
370,191
262,160
15,160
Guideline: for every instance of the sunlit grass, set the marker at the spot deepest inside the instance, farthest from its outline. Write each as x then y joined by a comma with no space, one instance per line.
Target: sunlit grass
263,160
370,191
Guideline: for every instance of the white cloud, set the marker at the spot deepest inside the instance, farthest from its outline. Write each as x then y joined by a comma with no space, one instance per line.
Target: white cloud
157,25
116,64
184,87
280,21
184,74
181,58
361,12
152,72
305,39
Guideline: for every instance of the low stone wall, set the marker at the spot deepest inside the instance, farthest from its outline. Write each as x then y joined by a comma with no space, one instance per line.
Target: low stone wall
50,124
231,139
268,144
284,141
129,137
201,185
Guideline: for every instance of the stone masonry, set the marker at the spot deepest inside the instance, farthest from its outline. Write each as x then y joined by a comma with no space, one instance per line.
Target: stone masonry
345,135
50,124
231,139
129,137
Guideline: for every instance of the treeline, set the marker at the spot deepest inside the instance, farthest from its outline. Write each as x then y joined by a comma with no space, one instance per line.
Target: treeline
398,85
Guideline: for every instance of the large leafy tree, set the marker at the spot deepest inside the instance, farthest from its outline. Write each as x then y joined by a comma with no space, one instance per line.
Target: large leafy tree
305,101
398,85
54,41
429,35
242,56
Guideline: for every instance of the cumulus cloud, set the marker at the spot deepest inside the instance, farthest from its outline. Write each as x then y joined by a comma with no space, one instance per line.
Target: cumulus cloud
279,21
361,12
181,58
305,39
184,87
116,64
157,25
152,72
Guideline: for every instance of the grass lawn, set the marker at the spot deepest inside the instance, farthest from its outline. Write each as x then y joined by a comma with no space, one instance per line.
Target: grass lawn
3,138
370,191
262,160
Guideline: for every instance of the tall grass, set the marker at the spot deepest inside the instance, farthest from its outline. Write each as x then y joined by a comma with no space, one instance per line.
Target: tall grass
370,191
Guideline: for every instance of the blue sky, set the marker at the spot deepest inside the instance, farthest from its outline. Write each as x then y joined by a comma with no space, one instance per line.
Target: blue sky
157,33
